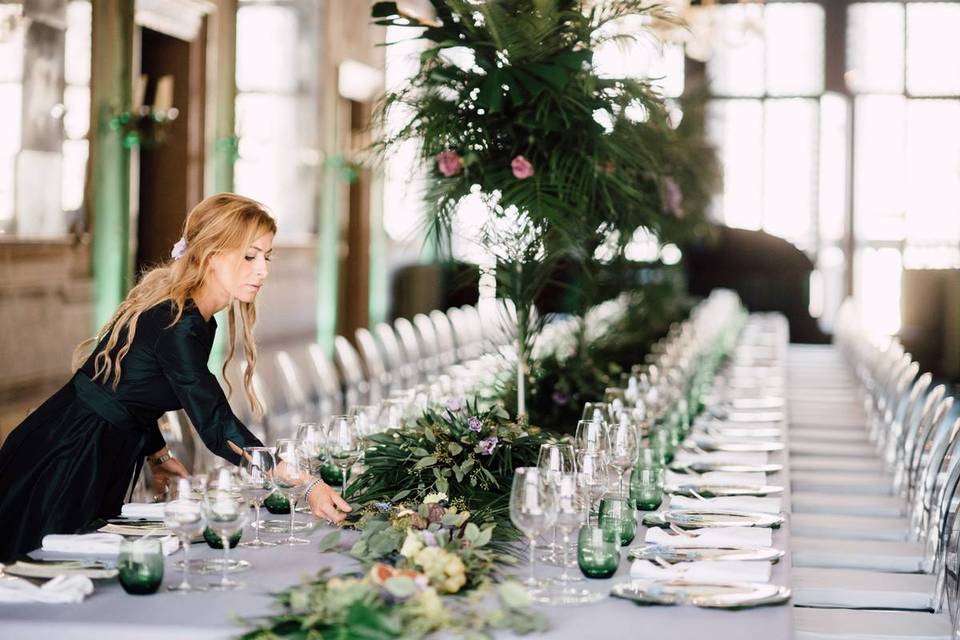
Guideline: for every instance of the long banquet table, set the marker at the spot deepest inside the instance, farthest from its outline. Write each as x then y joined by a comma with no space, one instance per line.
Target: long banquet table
110,613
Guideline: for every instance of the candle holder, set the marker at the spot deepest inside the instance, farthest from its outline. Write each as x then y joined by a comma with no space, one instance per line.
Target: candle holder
140,566
618,512
598,550
646,487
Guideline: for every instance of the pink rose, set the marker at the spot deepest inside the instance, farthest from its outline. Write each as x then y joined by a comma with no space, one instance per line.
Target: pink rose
673,196
522,169
449,163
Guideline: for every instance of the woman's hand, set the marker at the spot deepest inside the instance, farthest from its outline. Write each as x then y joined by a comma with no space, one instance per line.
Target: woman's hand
327,503
165,473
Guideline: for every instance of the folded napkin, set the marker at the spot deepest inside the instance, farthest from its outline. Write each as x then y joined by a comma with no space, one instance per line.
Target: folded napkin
98,543
717,478
59,590
722,457
705,571
752,504
145,510
717,537
705,441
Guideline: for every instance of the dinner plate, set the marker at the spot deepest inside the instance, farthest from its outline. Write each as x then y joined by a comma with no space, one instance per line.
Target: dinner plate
691,554
704,467
699,518
740,446
734,595
93,569
715,490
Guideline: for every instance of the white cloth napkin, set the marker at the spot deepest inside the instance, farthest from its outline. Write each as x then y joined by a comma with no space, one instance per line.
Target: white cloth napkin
722,457
706,571
716,537
146,510
98,543
717,478
705,441
753,504
59,590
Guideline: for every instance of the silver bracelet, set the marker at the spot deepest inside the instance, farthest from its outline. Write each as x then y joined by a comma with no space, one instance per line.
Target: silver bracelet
313,485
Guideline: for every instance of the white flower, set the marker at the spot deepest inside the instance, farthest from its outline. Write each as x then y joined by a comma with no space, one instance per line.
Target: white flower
411,545
433,498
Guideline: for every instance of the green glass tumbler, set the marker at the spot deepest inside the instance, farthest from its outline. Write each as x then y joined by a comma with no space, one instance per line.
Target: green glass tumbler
646,487
619,512
598,550
140,566
661,441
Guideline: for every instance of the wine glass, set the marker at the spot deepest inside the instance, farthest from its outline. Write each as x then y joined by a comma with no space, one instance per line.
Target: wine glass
312,441
533,510
622,449
592,478
392,414
616,399
591,436
256,483
184,517
291,476
368,423
555,458
368,418
570,509
596,412
345,444
226,512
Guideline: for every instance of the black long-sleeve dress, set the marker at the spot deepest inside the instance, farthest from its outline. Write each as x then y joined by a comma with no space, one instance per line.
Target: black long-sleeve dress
71,461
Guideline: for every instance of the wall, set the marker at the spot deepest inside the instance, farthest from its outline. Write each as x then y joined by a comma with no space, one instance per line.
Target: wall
46,308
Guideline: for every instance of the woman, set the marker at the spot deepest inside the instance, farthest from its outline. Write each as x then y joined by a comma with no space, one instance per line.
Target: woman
71,461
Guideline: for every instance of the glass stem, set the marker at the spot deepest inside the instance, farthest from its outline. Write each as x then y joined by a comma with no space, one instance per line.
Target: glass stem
293,509
533,547
185,542
565,576
226,559
256,538
343,487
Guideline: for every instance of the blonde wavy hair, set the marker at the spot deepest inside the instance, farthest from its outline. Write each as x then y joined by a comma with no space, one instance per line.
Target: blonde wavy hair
221,223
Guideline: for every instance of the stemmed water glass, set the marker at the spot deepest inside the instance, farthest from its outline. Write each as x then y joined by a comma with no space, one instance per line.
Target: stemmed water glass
533,510
592,479
256,483
312,440
226,512
184,516
555,459
571,505
368,423
622,449
616,399
344,444
292,474
592,437
596,412
392,414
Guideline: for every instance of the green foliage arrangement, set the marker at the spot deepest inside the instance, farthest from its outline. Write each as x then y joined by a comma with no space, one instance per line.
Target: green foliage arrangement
562,380
460,451
507,104
386,603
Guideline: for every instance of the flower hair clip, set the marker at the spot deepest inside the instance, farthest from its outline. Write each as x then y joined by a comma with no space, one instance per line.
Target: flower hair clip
179,249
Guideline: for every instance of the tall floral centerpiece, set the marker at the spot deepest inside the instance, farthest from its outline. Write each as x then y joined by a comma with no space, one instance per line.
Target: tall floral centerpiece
507,105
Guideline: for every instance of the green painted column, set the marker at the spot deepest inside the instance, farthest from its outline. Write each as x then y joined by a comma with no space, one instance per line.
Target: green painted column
328,250
222,153
111,93
379,278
